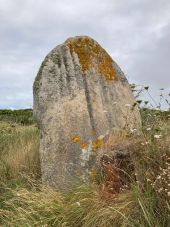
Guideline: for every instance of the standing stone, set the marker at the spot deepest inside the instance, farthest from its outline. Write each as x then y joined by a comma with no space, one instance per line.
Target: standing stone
80,96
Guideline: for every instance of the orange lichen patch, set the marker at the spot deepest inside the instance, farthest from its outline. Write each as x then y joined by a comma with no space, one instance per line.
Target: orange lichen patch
75,139
84,145
106,69
91,54
97,144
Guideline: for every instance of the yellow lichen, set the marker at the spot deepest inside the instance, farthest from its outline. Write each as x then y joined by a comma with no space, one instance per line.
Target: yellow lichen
84,145
75,139
97,144
91,54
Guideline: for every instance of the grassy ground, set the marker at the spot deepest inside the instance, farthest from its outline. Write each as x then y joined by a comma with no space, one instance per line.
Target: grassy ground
24,201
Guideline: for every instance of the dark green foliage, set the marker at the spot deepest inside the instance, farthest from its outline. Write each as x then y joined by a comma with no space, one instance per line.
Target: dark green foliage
23,116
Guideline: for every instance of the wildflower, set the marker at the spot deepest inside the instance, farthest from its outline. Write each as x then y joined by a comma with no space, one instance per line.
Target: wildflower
139,101
148,180
132,130
146,88
78,204
148,129
160,190
157,136
132,86
143,144
158,177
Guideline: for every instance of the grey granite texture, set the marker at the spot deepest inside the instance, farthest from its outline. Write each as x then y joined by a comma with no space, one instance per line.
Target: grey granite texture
76,107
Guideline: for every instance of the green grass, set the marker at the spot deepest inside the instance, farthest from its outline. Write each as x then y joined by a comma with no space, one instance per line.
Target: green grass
25,201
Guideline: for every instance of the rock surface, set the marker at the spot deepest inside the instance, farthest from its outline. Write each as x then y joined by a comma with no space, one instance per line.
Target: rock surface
80,95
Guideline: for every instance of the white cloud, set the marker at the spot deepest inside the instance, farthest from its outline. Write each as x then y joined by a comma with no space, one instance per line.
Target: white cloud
135,33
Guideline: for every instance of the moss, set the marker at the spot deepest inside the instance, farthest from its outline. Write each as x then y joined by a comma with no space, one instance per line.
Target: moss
91,54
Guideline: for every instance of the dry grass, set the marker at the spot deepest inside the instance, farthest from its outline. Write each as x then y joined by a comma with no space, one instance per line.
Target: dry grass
18,151
25,202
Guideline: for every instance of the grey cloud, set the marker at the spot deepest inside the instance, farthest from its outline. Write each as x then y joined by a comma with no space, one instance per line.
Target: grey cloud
135,33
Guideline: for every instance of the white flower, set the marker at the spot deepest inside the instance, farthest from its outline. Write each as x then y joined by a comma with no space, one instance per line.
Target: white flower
148,180
160,189
157,136
78,204
132,130
148,129
145,143
105,111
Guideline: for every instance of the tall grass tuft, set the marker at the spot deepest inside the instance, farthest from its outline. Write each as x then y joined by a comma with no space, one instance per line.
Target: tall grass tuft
18,151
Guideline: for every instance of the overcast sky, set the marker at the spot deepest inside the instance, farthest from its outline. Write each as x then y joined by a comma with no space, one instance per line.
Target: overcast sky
136,33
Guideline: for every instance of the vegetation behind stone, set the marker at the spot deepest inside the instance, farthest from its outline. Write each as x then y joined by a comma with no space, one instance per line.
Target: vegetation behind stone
23,116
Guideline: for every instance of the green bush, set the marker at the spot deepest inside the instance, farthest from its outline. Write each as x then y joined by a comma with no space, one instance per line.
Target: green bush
24,116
